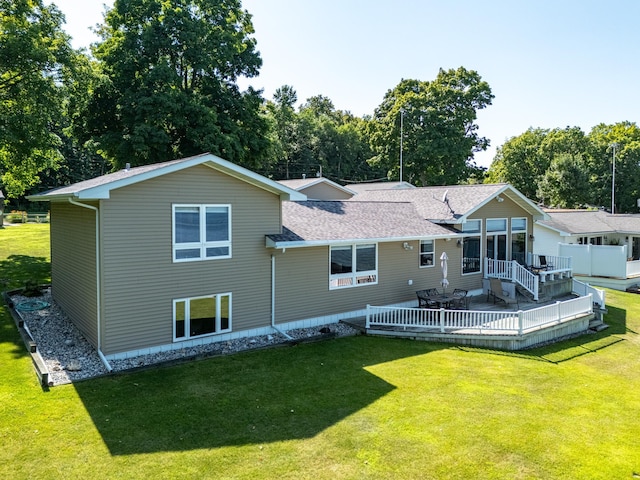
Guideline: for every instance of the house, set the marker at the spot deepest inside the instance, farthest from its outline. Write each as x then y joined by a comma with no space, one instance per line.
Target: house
200,250
319,188
604,247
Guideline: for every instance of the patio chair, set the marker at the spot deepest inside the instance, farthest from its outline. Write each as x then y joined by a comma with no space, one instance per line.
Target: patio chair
497,292
542,259
543,263
423,299
460,301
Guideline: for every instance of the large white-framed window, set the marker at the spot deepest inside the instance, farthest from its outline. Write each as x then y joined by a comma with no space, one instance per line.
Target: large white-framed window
201,232
427,253
519,240
198,316
353,265
472,246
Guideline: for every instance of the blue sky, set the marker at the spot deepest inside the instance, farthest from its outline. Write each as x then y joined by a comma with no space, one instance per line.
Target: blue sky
550,64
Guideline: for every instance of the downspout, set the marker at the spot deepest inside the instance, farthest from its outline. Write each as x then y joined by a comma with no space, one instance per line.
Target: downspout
273,299
98,304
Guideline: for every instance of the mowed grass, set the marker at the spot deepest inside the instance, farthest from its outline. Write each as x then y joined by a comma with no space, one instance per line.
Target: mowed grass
350,408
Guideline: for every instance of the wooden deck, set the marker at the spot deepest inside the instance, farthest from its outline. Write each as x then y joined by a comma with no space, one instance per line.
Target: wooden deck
485,332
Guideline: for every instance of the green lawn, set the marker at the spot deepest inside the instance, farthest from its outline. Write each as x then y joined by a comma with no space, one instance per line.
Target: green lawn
350,408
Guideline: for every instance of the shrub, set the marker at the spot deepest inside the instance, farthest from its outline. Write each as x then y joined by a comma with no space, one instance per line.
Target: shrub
16,216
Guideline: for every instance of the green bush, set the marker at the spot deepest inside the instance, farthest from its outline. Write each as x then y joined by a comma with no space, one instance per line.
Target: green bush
16,216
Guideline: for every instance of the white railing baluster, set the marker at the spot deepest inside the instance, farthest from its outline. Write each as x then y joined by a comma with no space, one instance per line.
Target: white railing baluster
451,320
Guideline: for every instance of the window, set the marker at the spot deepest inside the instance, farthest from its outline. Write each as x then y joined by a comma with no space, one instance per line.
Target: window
427,253
497,238
353,265
195,317
471,246
519,240
201,232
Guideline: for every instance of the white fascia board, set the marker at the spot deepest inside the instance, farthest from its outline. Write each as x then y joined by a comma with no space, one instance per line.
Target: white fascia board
536,212
255,179
102,192
320,243
335,185
562,233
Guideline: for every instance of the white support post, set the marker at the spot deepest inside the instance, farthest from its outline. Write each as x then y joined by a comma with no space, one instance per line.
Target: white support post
442,313
368,321
520,322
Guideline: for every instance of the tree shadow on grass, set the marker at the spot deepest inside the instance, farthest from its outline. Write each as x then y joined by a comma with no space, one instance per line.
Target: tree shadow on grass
571,348
9,333
15,270
250,398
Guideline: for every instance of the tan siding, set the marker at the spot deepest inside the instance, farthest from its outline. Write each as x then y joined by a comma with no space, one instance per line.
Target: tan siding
322,191
140,280
302,279
73,263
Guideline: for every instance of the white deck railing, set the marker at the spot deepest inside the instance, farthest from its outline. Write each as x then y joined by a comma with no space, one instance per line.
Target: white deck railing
555,266
474,321
583,289
512,270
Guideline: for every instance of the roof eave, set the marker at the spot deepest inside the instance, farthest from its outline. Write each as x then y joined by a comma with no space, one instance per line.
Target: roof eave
270,243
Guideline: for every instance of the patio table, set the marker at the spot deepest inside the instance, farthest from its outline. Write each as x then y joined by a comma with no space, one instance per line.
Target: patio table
442,300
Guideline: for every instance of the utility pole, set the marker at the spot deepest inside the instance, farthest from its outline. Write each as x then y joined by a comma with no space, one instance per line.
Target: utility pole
613,180
401,137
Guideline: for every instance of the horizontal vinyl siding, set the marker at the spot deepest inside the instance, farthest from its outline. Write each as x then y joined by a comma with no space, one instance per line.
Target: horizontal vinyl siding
302,280
505,209
73,262
140,279
322,191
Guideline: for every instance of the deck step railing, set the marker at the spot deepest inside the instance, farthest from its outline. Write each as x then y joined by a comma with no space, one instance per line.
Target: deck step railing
583,289
513,271
470,321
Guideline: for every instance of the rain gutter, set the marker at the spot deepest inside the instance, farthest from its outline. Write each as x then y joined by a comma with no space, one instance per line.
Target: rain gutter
98,303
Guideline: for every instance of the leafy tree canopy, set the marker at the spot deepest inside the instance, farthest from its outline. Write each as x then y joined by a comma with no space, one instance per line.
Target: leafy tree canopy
36,66
169,85
626,138
523,160
566,168
439,133
316,139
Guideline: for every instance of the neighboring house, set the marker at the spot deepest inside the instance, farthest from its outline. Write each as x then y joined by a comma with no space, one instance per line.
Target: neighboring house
200,250
367,186
319,188
604,247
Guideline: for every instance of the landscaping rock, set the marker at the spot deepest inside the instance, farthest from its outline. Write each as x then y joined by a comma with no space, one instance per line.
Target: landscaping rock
70,357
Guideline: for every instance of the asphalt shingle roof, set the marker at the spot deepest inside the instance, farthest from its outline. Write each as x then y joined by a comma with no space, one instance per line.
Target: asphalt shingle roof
590,221
460,199
327,221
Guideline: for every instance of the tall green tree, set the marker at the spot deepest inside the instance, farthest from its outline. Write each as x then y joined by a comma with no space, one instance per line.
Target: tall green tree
36,67
169,87
626,137
437,122
524,160
565,184
317,139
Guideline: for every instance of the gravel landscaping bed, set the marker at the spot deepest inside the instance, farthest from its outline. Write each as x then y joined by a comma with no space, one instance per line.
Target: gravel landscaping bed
70,357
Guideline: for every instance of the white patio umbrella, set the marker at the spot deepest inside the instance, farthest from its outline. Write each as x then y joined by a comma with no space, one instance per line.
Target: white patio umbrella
443,265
